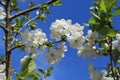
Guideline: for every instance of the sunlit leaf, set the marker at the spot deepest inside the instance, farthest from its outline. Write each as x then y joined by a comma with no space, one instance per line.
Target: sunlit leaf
28,66
57,3
117,12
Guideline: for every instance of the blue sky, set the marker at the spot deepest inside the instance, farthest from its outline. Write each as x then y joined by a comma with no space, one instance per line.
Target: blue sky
71,67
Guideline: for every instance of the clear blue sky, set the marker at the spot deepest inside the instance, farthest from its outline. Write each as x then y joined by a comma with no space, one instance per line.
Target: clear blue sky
70,67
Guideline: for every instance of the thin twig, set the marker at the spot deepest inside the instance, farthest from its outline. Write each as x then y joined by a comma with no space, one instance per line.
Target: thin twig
2,3
30,9
16,47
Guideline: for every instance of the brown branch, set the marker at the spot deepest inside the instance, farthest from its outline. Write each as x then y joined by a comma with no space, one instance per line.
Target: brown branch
8,41
30,9
16,47
2,3
3,28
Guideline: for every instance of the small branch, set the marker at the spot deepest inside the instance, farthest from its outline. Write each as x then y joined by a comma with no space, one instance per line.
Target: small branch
62,40
16,47
3,28
30,9
111,59
2,3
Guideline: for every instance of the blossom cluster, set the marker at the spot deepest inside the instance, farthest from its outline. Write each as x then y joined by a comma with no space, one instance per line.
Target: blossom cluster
95,75
33,40
2,14
75,36
55,55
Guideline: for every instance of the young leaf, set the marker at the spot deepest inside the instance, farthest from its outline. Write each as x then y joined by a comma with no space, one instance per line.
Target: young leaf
48,71
117,12
41,71
27,66
30,75
103,6
57,3
92,21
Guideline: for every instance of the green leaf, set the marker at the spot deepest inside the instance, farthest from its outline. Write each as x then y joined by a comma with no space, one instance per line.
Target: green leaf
30,75
117,12
103,6
27,66
2,23
92,21
32,25
41,71
107,31
48,71
57,3
44,8
118,61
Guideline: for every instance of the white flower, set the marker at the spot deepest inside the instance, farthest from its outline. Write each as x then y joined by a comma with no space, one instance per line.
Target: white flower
94,74
107,78
33,39
116,43
2,67
54,56
2,74
60,28
104,73
25,35
2,14
51,56
76,39
87,51
37,37
91,36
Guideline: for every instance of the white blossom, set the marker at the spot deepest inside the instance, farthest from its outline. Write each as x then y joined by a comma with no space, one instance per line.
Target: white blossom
87,51
116,43
55,55
91,36
76,37
94,74
2,74
32,40
60,28
2,14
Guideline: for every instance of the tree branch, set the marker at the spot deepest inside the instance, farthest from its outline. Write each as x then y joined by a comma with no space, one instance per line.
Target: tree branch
16,47
2,3
30,9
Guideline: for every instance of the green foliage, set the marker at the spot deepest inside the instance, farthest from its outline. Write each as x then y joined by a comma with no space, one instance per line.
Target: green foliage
27,70
101,21
32,25
48,71
57,3
45,8
41,71
117,12
14,5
